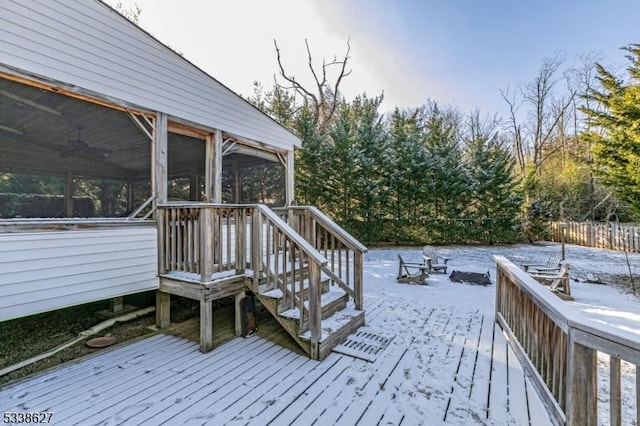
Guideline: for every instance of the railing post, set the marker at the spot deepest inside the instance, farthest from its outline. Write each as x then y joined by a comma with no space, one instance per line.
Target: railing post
615,401
206,244
241,242
256,248
162,249
315,319
358,282
582,398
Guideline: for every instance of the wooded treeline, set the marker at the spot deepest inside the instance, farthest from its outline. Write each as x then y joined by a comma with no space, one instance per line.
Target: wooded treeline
567,151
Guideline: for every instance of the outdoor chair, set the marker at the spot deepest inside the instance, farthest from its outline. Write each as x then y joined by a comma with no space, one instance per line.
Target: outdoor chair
559,283
436,262
412,272
550,267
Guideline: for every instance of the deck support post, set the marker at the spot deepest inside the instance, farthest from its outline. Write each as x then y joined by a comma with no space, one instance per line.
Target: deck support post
117,304
290,189
238,312
217,167
160,159
206,325
207,245
582,390
163,310
213,168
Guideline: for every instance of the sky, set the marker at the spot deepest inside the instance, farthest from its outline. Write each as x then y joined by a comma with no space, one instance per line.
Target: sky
456,52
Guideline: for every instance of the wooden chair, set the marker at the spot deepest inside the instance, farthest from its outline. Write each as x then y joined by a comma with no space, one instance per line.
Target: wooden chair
559,284
412,272
551,266
436,262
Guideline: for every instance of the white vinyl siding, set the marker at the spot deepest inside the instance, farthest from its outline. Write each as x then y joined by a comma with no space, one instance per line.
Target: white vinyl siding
43,271
86,44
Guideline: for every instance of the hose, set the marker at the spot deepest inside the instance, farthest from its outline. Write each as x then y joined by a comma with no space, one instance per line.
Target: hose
81,336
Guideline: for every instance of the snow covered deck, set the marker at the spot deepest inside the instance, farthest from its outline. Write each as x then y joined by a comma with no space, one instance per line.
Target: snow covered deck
449,366
446,361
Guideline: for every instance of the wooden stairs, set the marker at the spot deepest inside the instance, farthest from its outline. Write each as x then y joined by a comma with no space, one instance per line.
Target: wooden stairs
339,317
304,268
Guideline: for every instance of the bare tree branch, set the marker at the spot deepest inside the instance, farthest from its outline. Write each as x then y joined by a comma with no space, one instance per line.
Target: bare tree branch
323,98
294,84
515,128
342,74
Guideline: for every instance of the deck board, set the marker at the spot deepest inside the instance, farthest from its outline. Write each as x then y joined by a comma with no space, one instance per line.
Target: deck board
458,402
479,387
498,390
438,372
518,407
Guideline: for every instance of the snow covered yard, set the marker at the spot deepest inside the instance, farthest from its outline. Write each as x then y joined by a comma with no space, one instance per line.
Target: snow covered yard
445,361
604,303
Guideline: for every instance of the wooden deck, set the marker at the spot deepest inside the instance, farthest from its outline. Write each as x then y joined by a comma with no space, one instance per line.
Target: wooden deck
447,368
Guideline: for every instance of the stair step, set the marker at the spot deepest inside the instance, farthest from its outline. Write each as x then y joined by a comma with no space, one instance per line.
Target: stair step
277,293
336,328
330,302
336,322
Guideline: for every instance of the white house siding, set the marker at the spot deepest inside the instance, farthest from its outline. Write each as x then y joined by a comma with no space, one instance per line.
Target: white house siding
86,44
42,271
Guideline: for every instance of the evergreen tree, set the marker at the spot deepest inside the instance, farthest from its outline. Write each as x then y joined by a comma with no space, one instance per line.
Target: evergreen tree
341,167
369,176
448,183
489,166
616,149
407,162
313,162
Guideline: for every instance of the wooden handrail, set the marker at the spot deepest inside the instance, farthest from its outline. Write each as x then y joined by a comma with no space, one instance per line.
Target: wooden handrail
558,346
344,252
345,238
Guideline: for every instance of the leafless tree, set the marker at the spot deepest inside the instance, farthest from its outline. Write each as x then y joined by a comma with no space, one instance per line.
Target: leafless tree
536,140
324,97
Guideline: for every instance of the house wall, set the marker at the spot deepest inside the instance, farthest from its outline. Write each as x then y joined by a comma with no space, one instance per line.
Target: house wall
86,44
43,271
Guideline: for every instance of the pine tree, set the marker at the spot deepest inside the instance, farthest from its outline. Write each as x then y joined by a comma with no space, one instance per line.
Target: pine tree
407,162
369,177
616,149
448,183
489,164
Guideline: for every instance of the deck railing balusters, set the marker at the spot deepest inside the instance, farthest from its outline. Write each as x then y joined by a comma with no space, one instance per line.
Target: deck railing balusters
558,347
193,238
344,269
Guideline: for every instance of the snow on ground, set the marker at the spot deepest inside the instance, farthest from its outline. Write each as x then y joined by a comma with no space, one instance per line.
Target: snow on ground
604,303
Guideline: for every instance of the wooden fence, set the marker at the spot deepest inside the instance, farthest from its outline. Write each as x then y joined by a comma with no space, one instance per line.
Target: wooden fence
558,347
607,235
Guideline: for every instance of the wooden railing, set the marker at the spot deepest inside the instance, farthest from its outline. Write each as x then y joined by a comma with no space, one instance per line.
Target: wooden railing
344,253
558,347
608,235
204,241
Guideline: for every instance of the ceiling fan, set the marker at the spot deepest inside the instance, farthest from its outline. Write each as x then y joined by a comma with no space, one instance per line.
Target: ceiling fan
79,148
